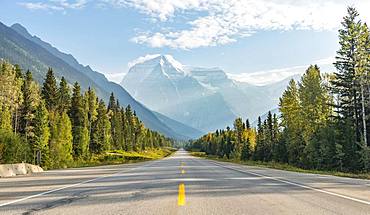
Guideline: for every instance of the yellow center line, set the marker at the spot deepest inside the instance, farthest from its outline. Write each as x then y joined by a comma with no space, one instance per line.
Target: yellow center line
181,198
182,171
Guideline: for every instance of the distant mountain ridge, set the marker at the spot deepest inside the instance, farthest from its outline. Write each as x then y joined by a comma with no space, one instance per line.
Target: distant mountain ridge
30,52
204,98
166,86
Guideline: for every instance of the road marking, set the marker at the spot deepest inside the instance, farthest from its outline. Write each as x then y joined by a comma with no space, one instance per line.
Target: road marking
181,197
182,171
296,184
73,185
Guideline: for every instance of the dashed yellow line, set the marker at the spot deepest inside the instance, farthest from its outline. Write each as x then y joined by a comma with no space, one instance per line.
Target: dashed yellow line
181,197
182,171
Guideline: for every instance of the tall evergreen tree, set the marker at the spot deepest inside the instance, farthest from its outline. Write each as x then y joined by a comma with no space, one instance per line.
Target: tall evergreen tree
78,118
64,96
61,141
291,122
101,131
49,90
348,84
31,99
42,134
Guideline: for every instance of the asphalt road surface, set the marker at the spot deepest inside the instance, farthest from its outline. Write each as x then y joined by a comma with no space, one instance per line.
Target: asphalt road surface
182,184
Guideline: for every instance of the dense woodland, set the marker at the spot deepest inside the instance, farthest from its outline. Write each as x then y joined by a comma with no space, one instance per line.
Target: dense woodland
56,125
325,118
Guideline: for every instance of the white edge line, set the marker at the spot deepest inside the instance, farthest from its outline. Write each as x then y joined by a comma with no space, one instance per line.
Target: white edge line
298,185
72,185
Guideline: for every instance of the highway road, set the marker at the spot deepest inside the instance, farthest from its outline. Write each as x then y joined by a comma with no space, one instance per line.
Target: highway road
182,184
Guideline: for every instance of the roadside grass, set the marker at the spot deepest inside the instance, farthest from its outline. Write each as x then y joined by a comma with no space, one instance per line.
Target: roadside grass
281,166
123,157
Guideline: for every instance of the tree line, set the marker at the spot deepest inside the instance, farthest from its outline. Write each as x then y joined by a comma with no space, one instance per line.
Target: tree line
56,124
324,122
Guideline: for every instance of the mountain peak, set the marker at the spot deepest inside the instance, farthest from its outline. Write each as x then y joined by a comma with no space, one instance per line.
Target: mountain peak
156,58
21,29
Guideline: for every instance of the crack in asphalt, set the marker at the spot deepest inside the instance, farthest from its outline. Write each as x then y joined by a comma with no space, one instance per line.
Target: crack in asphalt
65,201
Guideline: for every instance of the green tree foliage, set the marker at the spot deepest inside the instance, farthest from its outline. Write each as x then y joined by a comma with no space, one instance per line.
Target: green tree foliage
101,131
292,123
49,90
31,99
5,119
61,141
64,96
13,148
41,133
351,84
10,92
310,134
116,123
78,116
55,129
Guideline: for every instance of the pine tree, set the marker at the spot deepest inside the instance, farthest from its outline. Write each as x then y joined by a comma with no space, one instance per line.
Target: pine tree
246,151
49,91
101,131
31,99
42,133
5,119
91,105
10,92
61,141
348,84
78,118
116,123
314,102
239,128
128,131
64,96
291,122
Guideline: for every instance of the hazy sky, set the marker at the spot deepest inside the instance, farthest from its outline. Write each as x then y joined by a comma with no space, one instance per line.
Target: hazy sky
239,36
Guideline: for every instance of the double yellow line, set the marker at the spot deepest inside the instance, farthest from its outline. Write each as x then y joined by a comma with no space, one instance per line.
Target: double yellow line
181,197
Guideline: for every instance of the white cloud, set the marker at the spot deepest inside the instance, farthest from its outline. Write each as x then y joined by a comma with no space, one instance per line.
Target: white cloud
262,78
227,20
55,5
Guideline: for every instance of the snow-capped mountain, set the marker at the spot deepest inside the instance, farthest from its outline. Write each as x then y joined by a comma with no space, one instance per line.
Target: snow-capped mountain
166,86
204,98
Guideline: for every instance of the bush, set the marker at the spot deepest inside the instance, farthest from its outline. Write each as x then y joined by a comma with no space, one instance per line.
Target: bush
13,148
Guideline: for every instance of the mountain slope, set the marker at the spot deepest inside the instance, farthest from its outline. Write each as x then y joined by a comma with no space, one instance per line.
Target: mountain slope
179,127
166,86
204,98
32,53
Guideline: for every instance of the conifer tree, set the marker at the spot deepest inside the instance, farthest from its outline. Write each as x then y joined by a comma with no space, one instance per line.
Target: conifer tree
239,128
5,119
31,99
101,131
61,141
92,105
246,151
291,122
78,118
42,134
49,91
64,96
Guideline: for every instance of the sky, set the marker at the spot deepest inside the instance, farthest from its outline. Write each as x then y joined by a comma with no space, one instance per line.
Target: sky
249,39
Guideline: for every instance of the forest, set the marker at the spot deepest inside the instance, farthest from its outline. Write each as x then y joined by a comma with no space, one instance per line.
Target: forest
56,125
324,122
